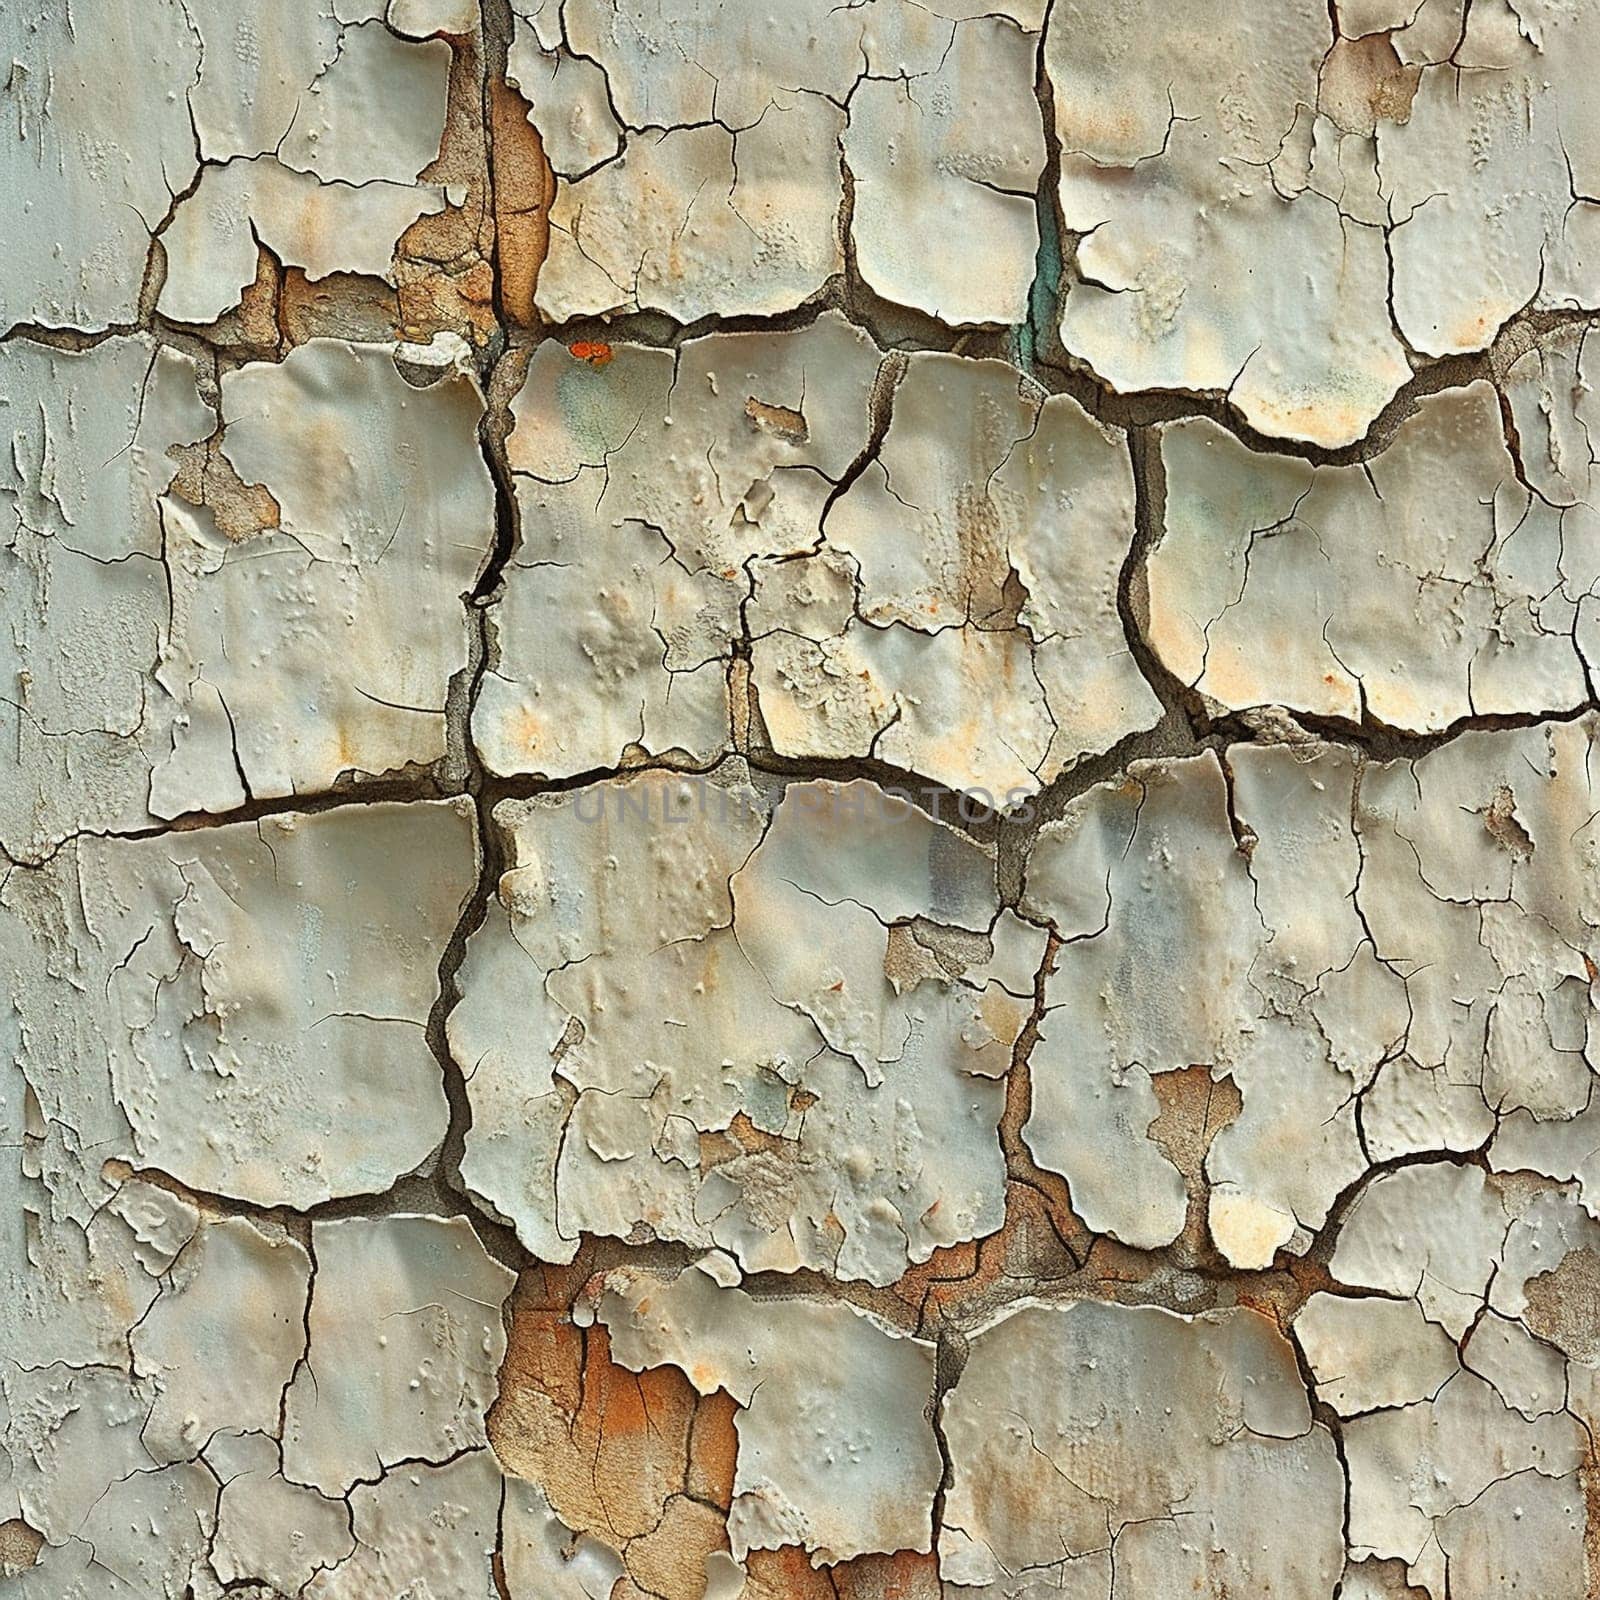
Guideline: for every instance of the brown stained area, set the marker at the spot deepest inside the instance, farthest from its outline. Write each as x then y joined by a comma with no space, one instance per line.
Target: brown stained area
1013,598
670,1560
787,1574
523,187
1589,1482
713,1449
1364,82
1564,1306
206,477
637,1460
1195,1108
1280,1292
1500,818
961,1283
784,421
444,266
922,951
344,305
431,299
251,328
907,962
1043,1248
739,1139
20,1545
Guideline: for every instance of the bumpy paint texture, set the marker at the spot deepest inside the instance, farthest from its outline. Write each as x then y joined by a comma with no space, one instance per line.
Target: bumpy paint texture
800,802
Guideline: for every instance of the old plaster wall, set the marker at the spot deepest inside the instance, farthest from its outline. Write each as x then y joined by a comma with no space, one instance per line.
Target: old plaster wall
799,800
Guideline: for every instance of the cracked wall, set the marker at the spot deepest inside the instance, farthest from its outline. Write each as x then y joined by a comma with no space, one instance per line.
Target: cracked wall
799,803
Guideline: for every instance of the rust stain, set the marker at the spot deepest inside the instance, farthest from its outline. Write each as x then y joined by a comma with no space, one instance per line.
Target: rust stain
525,729
524,186
610,1447
714,1448
787,1574
595,351
904,1575
740,1138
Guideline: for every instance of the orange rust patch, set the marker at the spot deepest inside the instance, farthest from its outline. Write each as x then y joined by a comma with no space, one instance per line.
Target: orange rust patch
595,351
524,186
740,1138
628,1404
905,1575
1473,333
526,730
787,1574
714,1449
610,1447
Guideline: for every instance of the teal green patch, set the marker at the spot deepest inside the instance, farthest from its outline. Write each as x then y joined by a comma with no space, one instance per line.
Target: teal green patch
1043,298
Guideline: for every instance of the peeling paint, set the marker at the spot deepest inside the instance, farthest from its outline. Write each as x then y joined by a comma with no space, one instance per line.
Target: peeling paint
799,803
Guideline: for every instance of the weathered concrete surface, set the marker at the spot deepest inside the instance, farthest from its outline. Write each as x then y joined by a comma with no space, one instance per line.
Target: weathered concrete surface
799,802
